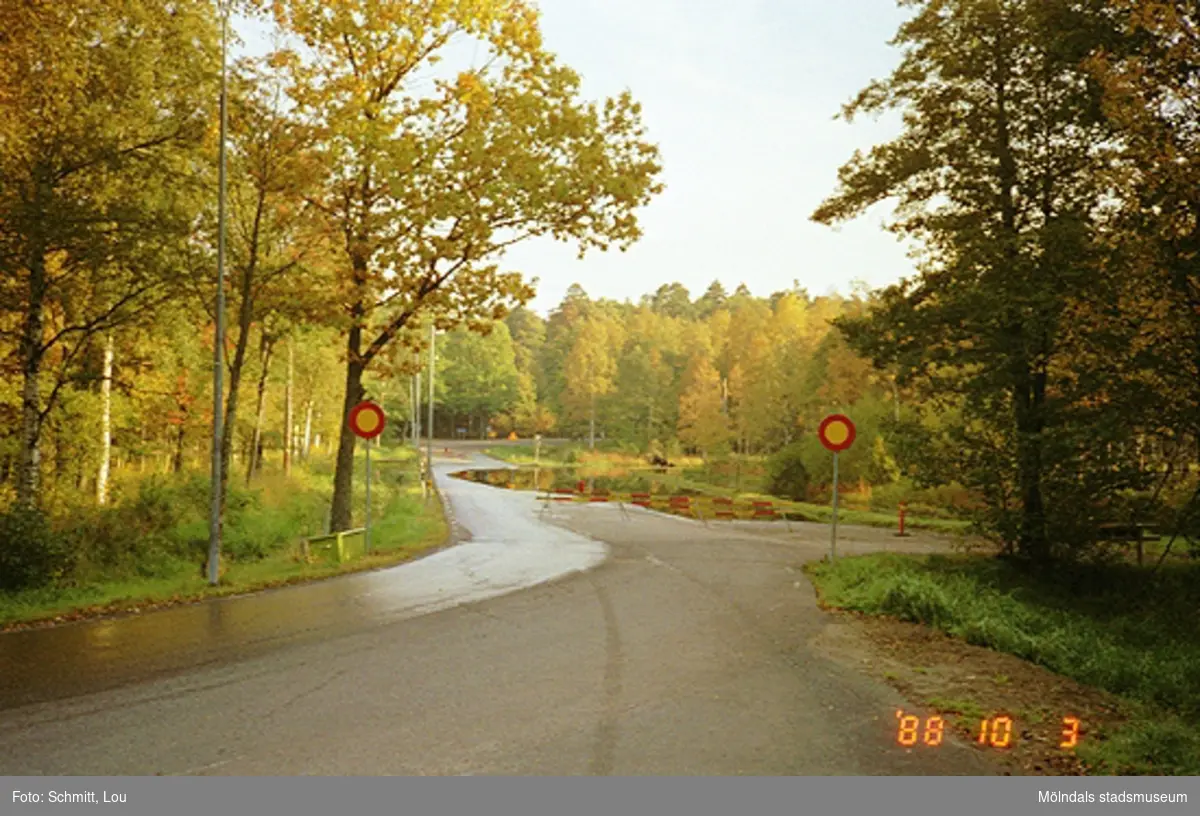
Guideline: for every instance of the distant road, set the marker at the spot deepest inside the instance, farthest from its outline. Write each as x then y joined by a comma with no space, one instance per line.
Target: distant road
580,641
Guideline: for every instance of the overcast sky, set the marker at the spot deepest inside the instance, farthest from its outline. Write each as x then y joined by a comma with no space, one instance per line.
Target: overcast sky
740,97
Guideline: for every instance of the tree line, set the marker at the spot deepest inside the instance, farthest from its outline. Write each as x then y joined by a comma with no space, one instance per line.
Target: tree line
724,373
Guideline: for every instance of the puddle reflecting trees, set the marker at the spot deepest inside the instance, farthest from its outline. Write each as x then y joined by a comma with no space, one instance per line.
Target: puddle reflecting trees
656,481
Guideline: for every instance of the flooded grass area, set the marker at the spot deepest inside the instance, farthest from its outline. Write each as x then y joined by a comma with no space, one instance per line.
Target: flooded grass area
666,488
655,481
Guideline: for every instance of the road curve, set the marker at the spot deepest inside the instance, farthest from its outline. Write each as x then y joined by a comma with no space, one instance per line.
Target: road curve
670,648
500,548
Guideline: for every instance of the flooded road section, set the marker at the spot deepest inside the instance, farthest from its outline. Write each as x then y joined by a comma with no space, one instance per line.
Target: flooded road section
501,547
578,480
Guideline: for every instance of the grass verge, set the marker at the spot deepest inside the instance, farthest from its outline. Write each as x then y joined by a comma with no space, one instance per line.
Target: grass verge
285,511
1118,628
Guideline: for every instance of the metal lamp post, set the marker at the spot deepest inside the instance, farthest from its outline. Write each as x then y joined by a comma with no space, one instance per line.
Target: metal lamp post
429,448
214,522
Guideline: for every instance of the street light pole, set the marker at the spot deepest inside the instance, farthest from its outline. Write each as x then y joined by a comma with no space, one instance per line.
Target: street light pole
214,521
432,357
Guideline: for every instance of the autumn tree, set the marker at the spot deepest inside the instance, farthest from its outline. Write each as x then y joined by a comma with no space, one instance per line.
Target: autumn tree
750,361
590,368
702,424
996,174
562,326
1152,96
428,182
96,157
646,403
277,253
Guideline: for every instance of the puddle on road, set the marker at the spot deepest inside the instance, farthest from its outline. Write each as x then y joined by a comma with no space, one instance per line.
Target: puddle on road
653,481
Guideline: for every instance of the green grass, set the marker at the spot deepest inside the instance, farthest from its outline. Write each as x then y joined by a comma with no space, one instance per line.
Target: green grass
871,518
261,545
523,454
567,455
1119,628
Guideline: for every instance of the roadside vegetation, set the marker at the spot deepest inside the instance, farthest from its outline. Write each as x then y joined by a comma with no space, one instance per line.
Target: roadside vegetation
146,548
1127,630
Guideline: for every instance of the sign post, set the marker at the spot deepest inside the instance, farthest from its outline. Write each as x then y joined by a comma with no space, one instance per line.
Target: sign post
837,434
367,420
367,519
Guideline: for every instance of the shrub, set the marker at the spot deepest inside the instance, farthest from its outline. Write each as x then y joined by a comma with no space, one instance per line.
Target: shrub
31,555
787,475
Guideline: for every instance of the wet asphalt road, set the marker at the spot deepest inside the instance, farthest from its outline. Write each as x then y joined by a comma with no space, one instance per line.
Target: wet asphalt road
579,640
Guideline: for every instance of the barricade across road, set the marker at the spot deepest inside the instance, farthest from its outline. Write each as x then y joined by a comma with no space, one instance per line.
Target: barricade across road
704,508
700,507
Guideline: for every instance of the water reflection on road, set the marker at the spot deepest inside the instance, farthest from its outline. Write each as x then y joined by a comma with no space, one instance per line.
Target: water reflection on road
46,664
508,549
579,480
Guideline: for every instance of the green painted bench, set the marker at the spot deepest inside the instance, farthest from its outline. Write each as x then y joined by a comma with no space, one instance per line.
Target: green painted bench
336,547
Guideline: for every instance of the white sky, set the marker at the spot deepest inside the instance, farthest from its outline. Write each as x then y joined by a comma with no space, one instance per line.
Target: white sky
740,97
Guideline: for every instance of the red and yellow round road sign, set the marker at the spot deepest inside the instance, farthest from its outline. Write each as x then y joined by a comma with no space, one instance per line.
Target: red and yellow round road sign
367,420
837,432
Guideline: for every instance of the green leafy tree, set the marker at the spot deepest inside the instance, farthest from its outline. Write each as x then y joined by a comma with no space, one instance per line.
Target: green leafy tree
713,300
996,173
479,374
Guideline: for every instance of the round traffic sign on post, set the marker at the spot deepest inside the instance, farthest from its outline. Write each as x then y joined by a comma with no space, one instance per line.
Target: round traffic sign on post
837,432
367,420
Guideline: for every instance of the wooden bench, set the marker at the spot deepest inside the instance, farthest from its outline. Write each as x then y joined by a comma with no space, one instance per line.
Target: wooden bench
1132,533
337,547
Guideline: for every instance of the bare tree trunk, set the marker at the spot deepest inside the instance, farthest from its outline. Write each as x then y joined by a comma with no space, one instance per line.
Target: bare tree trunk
343,478
29,463
308,418
105,423
592,425
177,464
264,356
412,409
288,436
418,430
